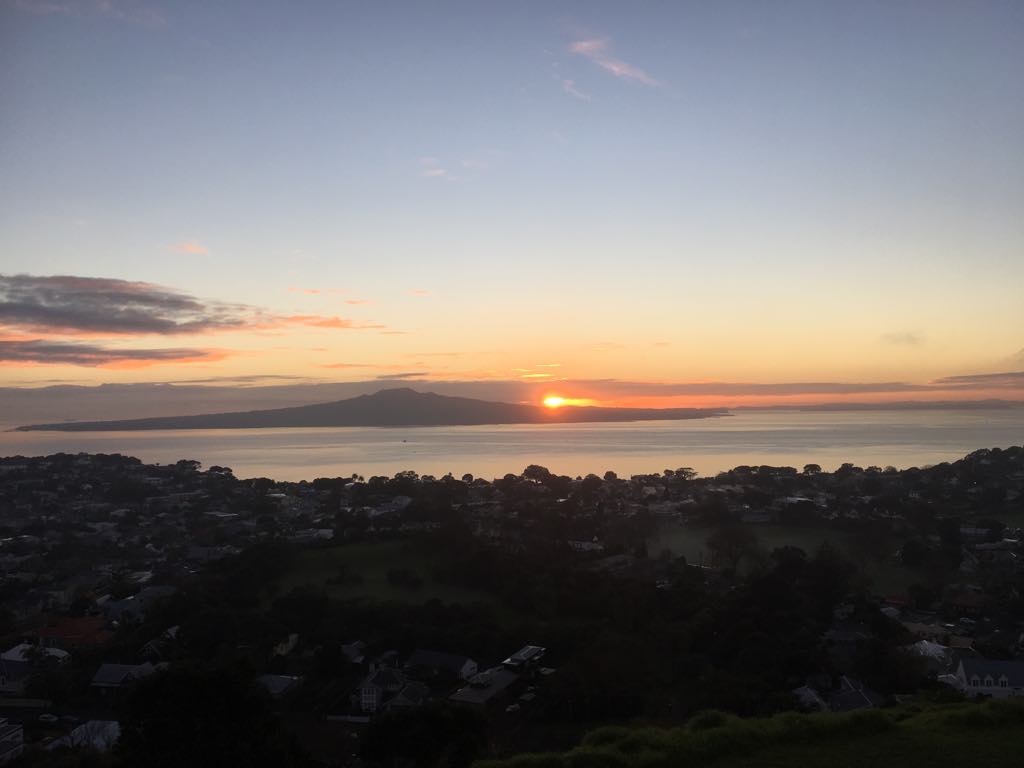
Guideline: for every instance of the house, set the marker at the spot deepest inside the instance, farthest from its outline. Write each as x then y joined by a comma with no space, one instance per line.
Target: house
524,659
278,685
809,699
432,664
985,677
160,648
412,695
18,663
851,695
937,658
12,741
372,693
118,677
133,609
101,735
485,687
71,633
355,652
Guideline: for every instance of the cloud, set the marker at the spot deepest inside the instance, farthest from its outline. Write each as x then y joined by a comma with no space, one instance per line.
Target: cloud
119,10
419,292
307,291
191,247
40,352
1007,380
320,321
405,375
94,306
569,87
596,49
906,339
256,379
712,388
431,168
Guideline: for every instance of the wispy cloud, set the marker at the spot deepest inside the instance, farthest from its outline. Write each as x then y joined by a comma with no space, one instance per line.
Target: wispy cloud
904,339
597,50
321,321
357,302
569,87
1007,380
432,168
419,292
39,352
118,10
190,247
376,366
404,375
307,291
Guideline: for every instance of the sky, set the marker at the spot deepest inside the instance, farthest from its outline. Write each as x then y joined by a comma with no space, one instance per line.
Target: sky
627,203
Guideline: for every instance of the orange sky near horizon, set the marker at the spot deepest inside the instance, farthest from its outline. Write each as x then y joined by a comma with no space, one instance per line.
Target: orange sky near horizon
696,205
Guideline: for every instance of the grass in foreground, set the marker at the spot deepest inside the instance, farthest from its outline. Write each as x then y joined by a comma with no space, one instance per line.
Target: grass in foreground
937,736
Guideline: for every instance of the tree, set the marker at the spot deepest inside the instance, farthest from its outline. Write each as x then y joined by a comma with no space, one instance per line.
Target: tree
197,717
730,544
812,469
433,735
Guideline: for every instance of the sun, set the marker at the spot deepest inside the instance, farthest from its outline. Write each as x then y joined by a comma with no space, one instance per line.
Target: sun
554,401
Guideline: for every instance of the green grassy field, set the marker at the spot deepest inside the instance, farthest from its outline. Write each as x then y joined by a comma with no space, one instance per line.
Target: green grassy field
355,571
948,736
886,576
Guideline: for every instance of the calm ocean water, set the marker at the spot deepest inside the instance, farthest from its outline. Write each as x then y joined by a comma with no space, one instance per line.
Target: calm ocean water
793,438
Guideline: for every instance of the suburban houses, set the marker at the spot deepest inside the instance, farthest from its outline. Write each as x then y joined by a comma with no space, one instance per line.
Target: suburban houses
348,602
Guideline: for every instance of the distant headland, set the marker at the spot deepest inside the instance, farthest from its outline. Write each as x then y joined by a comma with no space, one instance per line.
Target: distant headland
401,407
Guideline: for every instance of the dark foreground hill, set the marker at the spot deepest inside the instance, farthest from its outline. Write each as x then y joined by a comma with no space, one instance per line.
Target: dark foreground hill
936,736
387,408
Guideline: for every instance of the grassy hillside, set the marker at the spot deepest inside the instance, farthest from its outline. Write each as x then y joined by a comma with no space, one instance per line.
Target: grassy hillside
989,734
360,571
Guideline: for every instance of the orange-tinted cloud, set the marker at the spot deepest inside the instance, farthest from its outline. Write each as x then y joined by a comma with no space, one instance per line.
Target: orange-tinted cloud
320,321
191,247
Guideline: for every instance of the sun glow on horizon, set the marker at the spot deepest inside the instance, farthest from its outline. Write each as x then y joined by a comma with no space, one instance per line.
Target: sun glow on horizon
557,401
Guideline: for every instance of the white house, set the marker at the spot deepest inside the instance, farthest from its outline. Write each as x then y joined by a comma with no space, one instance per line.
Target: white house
998,679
